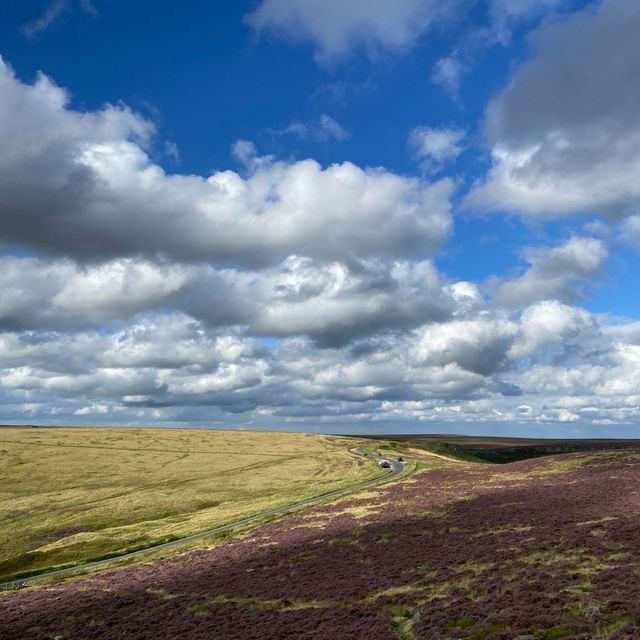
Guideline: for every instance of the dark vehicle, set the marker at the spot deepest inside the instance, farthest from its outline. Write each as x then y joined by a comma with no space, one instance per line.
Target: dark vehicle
400,459
384,464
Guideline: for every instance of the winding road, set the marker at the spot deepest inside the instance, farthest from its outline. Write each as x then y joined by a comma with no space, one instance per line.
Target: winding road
396,468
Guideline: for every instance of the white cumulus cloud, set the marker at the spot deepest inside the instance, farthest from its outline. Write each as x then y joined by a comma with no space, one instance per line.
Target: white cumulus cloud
81,184
565,132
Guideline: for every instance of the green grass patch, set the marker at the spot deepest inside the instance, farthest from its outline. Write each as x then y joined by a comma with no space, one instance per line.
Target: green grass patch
461,623
401,622
449,450
484,633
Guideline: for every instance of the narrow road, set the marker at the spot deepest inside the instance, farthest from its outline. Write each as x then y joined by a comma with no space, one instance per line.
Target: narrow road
396,466
396,469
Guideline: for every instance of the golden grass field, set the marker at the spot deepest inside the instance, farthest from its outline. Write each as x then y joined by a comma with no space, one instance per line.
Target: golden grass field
68,495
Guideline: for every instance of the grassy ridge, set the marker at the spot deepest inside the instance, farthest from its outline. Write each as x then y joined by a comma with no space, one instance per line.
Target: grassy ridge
71,495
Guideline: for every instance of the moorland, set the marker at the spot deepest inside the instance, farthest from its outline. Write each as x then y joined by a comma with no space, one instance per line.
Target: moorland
539,549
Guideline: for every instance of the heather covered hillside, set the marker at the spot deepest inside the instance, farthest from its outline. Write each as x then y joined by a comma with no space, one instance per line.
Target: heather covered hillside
546,548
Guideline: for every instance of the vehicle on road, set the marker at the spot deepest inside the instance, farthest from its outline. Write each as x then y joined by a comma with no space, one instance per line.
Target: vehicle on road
384,464
400,459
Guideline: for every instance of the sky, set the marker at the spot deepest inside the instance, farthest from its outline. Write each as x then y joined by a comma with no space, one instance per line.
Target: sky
347,216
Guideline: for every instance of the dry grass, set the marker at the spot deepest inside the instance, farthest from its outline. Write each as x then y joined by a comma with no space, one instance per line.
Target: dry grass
70,495
503,529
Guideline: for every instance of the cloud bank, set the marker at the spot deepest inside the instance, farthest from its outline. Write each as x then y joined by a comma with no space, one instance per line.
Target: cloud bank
292,293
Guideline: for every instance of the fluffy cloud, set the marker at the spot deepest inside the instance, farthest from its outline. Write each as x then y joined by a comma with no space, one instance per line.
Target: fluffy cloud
81,185
60,295
565,133
335,27
435,147
558,272
335,305
552,327
479,346
331,303
142,364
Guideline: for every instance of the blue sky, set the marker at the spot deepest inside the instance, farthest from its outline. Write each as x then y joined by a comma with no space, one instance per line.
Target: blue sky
322,215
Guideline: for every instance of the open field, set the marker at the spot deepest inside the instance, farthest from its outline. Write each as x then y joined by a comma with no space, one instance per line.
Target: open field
546,548
71,495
